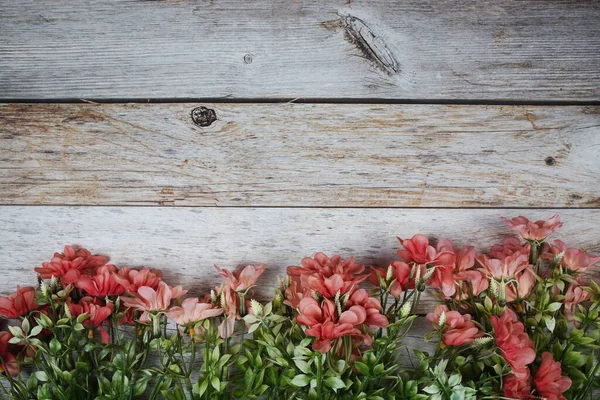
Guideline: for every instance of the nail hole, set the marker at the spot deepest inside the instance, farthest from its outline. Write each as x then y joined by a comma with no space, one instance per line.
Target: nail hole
203,116
248,58
550,161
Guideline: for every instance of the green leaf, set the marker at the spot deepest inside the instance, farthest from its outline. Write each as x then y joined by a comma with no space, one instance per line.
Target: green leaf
553,307
41,376
36,330
335,383
55,345
300,380
431,389
214,382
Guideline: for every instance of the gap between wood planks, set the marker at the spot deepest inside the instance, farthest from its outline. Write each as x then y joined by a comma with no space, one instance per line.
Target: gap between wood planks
304,100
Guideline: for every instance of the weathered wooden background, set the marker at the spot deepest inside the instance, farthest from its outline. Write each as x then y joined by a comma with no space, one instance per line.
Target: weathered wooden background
180,134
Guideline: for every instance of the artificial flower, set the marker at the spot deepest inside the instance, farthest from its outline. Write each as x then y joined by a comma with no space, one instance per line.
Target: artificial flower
19,303
327,276
8,362
132,279
549,382
151,301
191,311
241,281
572,258
458,329
516,346
103,283
537,230
61,263
97,314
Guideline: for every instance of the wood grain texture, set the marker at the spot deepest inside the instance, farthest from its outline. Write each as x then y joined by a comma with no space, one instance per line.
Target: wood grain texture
300,155
413,49
186,242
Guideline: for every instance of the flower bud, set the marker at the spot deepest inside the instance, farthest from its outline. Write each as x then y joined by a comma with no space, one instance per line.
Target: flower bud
44,289
390,273
405,310
442,321
256,308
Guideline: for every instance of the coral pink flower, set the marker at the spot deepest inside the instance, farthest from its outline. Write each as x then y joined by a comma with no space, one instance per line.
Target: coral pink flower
548,380
149,300
400,277
60,264
507,268
103,283
318,317
19,303
192,311
417,249
508,247
447,277
97,314
7,359
372,307
132,279
574,295
241,281
327,276
516,346
293,294
529,230
525,283
515,388
573,259
231,307
458,328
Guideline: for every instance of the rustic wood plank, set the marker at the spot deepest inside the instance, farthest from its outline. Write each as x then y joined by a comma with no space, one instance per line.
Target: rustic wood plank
413,49
300,155
186,242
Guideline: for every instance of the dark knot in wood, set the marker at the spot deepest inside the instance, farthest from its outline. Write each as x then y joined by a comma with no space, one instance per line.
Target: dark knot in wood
203,116
550,161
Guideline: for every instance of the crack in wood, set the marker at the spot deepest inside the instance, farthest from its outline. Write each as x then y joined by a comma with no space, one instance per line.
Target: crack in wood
371,45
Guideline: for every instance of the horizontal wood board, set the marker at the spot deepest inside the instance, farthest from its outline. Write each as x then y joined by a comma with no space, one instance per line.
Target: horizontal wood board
186,242
313,155
436,50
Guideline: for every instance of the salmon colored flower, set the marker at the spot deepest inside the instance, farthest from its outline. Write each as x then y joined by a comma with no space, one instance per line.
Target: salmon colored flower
574,295
508,247
8,362
192,311
418,250
573,259
516,346
318,317
537,230
293,294
372,308
19,303
132,279
525,281
97,314
149,300
506,268
448,277
241,281
548,380
327,276
515,388
61,263
230,303
101,284
400,277
458,329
